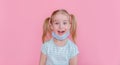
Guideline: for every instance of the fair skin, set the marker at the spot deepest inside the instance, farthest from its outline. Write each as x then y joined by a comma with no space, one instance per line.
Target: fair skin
60,26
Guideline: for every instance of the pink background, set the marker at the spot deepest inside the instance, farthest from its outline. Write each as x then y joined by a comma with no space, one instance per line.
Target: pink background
98,30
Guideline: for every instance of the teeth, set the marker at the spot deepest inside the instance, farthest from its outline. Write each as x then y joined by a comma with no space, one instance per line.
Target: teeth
60,31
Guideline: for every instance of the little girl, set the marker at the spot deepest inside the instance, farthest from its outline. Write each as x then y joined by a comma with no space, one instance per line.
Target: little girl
59,32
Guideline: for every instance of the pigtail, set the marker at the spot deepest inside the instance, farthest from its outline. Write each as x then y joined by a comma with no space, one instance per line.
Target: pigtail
46,29
73,27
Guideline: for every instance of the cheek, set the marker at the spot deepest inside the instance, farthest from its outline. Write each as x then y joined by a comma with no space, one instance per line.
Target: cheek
55,28
67,27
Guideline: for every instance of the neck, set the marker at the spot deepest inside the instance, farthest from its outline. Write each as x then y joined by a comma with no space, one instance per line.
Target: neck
60,42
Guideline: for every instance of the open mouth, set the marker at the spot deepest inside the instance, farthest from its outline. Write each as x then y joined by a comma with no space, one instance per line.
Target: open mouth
61,32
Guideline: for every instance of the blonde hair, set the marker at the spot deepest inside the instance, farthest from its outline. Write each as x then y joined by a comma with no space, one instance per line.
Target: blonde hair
46,26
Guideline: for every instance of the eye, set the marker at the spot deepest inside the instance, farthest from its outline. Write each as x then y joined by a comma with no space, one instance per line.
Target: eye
56,23
65,23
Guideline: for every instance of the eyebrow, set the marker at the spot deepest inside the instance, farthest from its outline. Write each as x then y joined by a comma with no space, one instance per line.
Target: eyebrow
66,20
54,20
58,20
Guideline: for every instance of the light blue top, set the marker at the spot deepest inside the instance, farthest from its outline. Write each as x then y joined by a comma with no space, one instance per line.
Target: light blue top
59,55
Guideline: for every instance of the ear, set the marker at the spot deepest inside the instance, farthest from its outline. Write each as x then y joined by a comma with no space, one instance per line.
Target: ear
51,26
69,26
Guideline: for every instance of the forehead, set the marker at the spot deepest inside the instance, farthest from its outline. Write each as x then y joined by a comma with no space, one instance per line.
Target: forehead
60,16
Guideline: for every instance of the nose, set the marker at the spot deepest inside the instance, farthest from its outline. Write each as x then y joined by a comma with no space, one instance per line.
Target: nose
61,26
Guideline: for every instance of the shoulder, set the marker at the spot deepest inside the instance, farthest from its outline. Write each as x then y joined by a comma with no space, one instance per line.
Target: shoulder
71,43
73,49
46,46
47,43
73,46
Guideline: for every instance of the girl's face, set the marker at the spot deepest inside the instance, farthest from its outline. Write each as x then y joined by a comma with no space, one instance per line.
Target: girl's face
61,24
